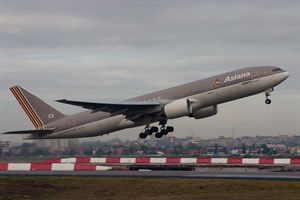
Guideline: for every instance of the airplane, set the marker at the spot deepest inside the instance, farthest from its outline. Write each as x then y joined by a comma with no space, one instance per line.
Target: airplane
198,99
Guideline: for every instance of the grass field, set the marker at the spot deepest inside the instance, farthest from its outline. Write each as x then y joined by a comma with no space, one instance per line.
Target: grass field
144,189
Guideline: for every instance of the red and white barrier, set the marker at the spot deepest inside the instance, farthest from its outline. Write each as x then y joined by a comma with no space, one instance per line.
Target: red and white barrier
91,164
189,161
51,167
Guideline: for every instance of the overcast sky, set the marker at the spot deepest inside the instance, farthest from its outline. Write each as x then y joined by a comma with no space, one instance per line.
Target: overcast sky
112,50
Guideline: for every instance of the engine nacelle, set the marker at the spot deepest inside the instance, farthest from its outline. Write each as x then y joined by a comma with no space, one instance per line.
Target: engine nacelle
178,108
205,112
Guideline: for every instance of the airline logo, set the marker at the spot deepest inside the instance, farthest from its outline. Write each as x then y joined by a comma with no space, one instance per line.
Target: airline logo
237,77
216,82
34,118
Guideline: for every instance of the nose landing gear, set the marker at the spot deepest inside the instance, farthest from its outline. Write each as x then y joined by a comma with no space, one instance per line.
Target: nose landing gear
267,92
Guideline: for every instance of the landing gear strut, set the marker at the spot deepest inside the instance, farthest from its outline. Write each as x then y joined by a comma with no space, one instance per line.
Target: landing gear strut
158,134
267,92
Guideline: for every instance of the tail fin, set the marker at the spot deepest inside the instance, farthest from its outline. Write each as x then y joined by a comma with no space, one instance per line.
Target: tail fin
39,112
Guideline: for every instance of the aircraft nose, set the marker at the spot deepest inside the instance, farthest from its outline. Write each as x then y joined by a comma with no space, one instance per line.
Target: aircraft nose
285,75
281,77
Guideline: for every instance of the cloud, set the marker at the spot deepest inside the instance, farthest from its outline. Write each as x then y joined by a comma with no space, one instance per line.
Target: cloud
26,24
150,26
111,51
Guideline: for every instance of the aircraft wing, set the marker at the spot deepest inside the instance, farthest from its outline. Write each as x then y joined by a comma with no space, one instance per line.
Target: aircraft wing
36,131
122,107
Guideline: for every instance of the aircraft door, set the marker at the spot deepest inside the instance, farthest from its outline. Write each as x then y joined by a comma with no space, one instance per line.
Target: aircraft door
72,124
254,75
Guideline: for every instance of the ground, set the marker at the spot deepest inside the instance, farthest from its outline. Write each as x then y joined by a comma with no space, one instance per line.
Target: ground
60,187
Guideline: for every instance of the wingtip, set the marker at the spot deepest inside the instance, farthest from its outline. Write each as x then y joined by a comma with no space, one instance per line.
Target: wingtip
61,100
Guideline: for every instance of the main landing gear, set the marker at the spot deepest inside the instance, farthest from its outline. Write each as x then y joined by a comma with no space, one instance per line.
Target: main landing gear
267,92
164,130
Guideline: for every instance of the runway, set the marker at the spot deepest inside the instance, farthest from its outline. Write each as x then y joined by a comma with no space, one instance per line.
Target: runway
287,176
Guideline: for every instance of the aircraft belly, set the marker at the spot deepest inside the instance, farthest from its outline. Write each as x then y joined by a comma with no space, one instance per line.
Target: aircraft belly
271,81
228,93
239,90
96,128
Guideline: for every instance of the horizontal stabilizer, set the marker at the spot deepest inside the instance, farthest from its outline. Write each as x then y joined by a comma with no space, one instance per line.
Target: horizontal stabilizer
37,131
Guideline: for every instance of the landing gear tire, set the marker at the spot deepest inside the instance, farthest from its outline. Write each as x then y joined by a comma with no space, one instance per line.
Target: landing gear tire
148,132
170,129
143,135
268,101
154,129
164,132
158,135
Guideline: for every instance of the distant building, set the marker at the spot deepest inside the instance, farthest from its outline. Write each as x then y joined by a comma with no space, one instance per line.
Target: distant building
4,146
295,150
277,146
206,143
284,137
56,144
224,141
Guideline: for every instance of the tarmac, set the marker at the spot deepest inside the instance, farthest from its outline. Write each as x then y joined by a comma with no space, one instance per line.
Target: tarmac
282,176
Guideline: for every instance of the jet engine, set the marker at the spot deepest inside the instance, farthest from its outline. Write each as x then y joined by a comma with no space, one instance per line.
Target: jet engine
205,112
178,108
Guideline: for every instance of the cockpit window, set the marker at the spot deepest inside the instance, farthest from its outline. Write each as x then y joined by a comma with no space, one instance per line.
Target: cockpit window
277,70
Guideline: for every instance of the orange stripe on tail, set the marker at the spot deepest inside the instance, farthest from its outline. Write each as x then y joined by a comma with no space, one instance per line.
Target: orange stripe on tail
29,107
24,108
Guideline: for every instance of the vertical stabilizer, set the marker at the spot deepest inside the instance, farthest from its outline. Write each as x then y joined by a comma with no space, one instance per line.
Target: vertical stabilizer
39,112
